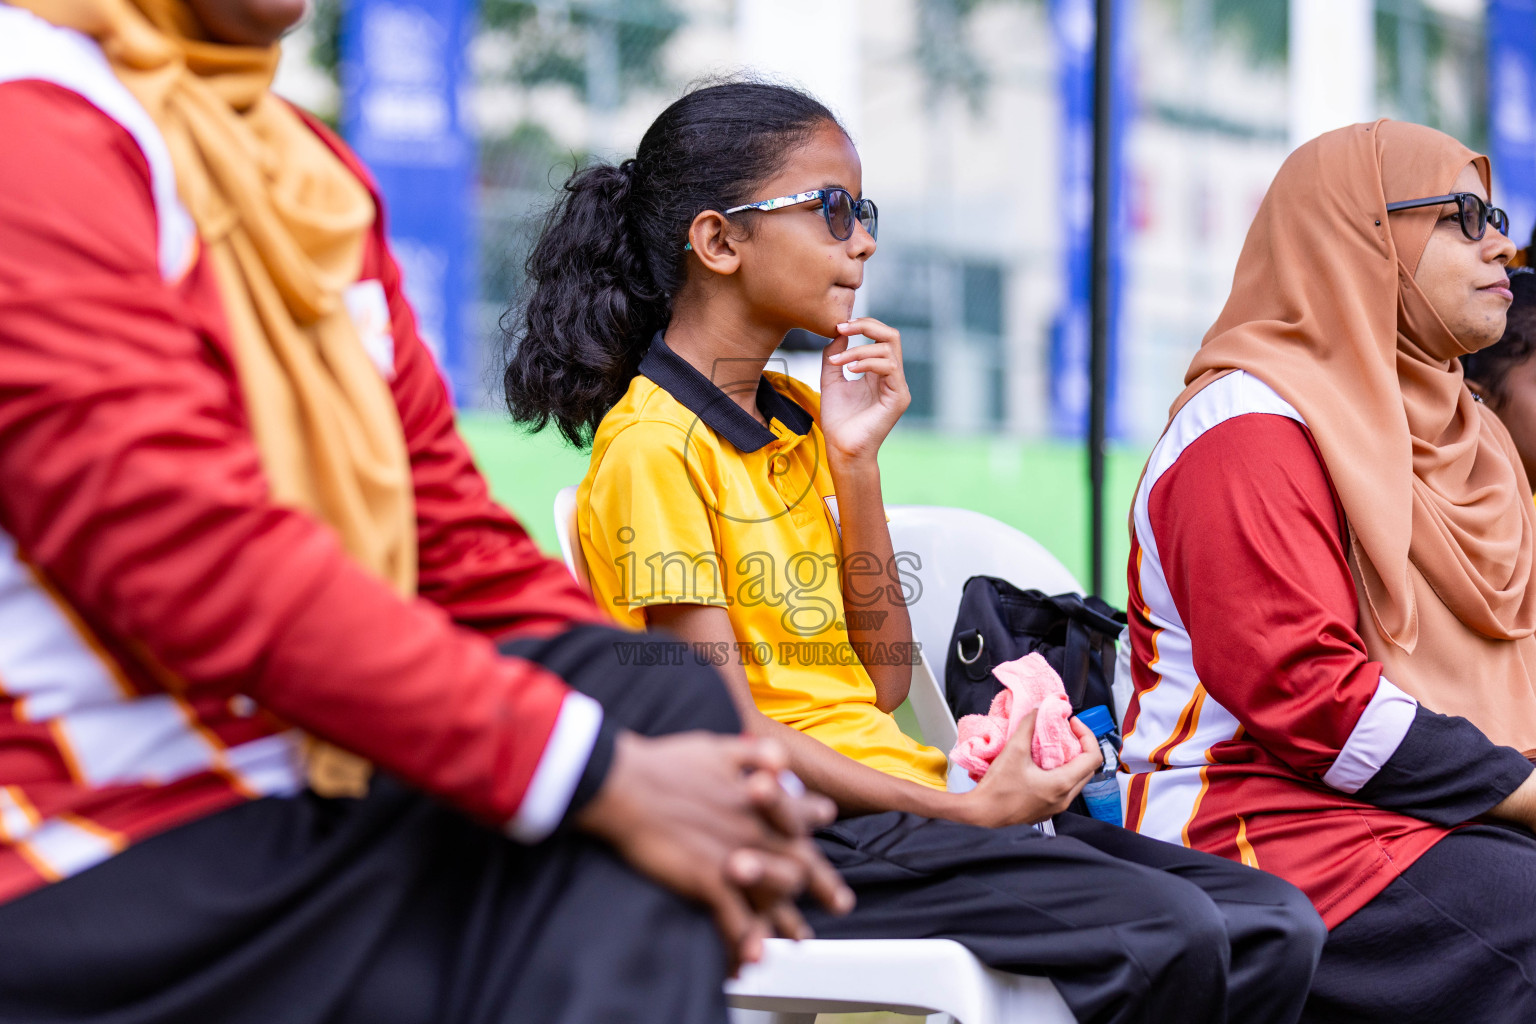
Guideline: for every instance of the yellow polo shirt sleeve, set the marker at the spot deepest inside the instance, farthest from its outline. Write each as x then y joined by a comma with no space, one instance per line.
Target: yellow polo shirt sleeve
645,525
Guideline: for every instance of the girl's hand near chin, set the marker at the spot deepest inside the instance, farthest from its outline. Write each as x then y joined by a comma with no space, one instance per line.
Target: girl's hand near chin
856,415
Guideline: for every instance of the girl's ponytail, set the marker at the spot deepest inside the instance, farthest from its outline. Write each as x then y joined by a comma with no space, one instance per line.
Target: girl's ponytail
592,308
610,257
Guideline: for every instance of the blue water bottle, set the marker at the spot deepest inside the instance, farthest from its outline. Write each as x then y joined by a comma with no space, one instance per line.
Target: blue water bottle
1102,793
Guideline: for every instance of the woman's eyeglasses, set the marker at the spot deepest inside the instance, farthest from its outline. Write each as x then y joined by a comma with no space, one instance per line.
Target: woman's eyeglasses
838,208
1474,214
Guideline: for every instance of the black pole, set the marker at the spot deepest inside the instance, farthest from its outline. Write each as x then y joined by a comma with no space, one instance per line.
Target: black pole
1098,287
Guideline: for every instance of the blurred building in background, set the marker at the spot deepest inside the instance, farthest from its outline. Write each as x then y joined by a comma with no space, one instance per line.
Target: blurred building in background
972,149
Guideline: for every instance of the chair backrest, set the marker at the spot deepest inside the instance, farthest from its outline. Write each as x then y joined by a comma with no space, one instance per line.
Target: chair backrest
570,540
940,548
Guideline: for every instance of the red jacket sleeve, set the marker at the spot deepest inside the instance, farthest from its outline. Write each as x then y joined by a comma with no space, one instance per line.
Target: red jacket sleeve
129,477
1250,540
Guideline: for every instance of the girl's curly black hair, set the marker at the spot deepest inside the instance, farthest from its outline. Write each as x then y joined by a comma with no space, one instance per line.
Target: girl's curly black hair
610,256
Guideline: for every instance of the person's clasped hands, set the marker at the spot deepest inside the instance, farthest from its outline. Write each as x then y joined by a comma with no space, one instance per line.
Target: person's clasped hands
708,817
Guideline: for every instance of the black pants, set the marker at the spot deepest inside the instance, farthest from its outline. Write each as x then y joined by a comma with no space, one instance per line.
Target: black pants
393,909
1451,939
1128,928
376,911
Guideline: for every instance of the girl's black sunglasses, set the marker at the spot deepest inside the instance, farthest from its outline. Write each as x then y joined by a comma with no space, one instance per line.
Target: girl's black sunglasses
838,207
1475,215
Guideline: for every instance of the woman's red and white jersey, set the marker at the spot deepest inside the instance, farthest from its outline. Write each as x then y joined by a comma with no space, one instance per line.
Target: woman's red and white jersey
1257,714
164,627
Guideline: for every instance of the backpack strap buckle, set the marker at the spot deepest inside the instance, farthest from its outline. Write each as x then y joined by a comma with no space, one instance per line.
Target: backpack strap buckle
981,642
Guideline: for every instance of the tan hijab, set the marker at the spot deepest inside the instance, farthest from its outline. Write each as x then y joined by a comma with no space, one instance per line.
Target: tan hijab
284,224
1324,309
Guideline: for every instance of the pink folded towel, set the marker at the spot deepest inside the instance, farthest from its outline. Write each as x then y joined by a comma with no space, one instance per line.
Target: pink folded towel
1028,683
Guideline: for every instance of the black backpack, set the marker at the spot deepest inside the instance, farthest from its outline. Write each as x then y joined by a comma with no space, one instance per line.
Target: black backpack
998,622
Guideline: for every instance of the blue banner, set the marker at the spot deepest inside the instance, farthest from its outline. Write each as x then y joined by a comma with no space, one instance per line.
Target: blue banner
1073,29
402,73
1512,112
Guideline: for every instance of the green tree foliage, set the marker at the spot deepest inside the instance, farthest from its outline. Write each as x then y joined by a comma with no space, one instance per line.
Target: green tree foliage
944,52
551,41
1262,27
325,50
549,38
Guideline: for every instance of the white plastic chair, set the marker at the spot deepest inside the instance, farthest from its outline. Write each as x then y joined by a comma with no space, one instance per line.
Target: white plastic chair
955,544
794,981
940,548
949,546
797,980
570,538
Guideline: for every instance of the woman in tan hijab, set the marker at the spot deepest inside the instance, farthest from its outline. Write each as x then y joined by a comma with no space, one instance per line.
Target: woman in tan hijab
245,556
1332,592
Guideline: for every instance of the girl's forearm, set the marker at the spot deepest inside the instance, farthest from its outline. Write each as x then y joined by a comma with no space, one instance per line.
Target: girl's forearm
876,611
855,788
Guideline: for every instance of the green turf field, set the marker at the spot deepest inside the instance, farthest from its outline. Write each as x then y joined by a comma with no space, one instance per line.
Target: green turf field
1041,487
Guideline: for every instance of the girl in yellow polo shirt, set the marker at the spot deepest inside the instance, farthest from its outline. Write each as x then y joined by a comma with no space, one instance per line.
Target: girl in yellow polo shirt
731,507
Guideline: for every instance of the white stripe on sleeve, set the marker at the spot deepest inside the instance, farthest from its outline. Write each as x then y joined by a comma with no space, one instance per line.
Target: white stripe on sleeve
564,759
1375,738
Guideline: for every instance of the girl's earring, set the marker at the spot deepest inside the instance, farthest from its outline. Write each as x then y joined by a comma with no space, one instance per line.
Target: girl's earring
687,247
